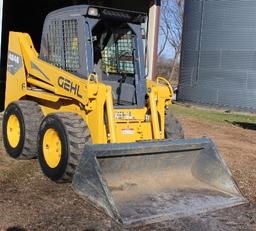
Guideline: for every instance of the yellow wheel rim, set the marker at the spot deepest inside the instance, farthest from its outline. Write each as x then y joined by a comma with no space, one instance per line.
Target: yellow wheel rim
13,131
52,148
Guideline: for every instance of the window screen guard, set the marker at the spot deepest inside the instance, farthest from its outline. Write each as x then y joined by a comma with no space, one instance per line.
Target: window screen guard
118,53
63,44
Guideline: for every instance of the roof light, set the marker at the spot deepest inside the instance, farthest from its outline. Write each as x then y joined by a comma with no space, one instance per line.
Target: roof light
94,12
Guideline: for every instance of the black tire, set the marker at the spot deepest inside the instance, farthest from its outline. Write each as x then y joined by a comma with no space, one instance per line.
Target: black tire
30,116
73,134
173,128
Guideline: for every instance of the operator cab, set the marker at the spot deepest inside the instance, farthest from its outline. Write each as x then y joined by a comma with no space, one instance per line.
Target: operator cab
109,42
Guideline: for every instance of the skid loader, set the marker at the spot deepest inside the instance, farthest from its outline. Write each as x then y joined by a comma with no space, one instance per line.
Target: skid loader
83,106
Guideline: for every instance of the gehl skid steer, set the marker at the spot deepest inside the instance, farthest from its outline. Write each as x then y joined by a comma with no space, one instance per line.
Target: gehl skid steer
83,106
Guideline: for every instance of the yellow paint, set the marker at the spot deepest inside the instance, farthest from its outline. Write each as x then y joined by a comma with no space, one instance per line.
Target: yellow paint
94,103
166,82
130,132
40,84
154,114
52,148
13,131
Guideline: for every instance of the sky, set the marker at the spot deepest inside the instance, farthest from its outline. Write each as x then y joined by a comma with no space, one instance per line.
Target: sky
168,51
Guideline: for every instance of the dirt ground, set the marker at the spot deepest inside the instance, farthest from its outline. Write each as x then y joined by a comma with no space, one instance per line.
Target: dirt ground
29,201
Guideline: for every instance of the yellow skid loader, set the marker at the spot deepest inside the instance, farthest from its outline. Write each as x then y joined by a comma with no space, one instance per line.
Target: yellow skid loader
83,106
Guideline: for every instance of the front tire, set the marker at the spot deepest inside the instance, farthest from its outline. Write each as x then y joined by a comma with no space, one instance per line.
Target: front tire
173,128
21,122
61,141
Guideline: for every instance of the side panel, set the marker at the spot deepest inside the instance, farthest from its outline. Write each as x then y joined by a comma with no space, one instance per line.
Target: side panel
15,76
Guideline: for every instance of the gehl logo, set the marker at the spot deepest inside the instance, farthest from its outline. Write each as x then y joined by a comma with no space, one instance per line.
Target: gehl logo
69,86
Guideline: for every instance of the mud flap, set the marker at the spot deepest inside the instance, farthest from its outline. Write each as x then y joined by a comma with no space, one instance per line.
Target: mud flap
153,181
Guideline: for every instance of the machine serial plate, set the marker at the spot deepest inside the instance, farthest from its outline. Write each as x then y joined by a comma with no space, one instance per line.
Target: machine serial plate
124,116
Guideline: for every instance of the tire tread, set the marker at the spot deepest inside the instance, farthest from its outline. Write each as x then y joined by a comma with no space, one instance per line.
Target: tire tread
173,128
32,117
78,135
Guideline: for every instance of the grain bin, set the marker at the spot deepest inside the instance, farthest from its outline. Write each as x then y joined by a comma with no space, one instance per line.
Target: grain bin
218,61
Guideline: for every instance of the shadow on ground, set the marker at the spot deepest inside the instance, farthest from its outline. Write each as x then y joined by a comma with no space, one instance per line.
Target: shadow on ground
15,229
244,125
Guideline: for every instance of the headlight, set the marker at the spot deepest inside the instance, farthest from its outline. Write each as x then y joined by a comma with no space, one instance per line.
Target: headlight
94,12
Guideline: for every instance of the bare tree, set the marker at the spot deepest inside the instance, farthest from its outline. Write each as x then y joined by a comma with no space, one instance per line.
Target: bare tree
164,68
171,29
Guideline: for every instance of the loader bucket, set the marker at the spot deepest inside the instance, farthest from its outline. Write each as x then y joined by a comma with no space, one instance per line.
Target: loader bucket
153,181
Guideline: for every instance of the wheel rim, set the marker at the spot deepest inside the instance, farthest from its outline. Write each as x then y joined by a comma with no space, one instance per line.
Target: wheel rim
13,131
52,148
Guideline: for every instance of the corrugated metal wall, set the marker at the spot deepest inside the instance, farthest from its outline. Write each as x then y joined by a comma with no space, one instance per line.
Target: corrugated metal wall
218,62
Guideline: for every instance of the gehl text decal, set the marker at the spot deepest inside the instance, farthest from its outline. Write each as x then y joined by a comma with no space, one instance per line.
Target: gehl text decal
69,86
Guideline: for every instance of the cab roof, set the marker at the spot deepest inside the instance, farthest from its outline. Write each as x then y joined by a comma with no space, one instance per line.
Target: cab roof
82,10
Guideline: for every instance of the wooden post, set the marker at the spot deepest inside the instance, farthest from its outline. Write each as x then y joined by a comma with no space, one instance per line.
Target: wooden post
153,34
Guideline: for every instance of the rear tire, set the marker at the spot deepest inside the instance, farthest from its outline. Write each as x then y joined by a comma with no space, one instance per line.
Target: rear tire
61,141
21,122
173,128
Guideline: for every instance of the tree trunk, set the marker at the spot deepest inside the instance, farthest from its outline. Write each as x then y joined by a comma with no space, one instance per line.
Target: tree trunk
177,51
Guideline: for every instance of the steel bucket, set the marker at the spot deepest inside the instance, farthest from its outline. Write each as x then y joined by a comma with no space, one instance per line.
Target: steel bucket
153,181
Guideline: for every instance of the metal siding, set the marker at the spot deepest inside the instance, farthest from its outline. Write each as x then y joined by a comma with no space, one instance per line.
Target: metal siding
199,94
221,79
190,59
187,81
210,59
218,61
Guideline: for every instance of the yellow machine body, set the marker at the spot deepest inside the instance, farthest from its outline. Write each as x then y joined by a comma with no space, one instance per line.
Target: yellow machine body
57,90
